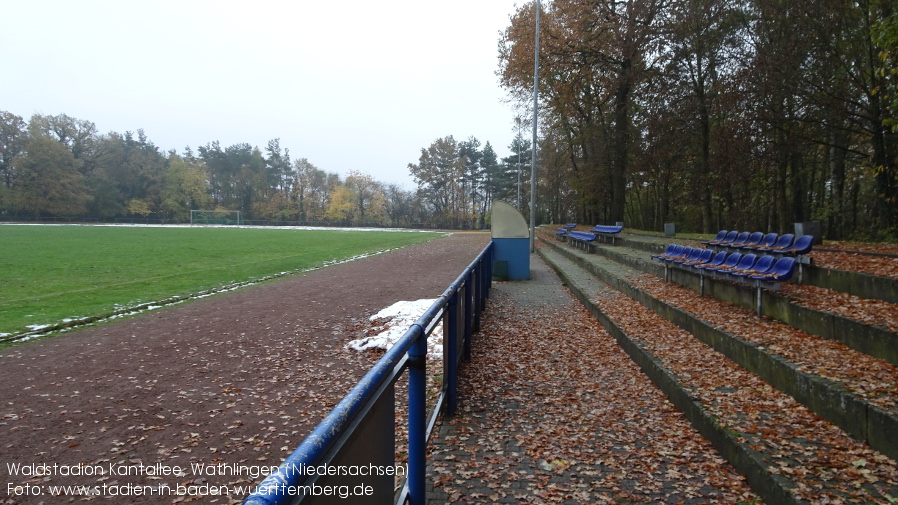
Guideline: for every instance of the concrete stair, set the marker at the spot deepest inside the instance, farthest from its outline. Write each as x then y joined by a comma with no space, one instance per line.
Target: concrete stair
802,429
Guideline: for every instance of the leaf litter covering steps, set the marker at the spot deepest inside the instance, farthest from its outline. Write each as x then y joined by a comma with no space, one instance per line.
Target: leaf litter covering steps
553,411
817,366
873,265
855,391
864,310
821,462
872,379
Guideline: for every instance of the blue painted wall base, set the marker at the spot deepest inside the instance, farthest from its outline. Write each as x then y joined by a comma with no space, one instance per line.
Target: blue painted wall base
516,251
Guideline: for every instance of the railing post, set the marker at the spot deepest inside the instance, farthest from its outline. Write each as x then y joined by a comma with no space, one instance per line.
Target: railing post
450,346
477,294
759,298
417,419
470,299
487,274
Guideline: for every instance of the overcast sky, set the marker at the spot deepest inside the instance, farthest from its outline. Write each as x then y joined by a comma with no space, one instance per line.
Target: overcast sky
350,85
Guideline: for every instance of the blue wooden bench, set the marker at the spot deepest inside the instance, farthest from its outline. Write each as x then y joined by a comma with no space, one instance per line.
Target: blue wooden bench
562,232
580,239
607,231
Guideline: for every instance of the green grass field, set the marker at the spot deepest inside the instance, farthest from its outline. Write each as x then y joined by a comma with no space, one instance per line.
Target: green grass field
51,273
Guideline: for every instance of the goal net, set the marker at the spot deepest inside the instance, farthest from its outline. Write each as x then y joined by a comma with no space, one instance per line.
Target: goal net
221,217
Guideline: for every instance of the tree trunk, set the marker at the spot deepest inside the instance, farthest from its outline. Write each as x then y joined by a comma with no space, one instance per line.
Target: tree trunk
621,144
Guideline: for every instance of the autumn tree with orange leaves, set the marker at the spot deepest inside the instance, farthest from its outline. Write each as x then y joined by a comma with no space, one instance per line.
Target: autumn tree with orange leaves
593,58
745,114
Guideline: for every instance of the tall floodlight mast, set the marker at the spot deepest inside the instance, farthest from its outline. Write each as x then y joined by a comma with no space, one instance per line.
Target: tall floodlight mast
535,117
518,139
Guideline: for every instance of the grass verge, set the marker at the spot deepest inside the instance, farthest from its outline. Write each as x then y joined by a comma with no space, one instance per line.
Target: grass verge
52,273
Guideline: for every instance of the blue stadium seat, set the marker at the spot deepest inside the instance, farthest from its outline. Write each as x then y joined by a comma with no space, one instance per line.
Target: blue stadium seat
753,240
802,245
745,264
766,243
704,257
739,240
718,260
782,271
716,240
762,266
679,253
678,250
731,262
731,236
667,252
693,255
782,243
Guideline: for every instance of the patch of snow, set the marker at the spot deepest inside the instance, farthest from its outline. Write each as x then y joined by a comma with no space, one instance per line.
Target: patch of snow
38,327
397,319
124,314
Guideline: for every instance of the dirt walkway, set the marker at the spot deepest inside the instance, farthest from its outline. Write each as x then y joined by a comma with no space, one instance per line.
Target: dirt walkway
239,378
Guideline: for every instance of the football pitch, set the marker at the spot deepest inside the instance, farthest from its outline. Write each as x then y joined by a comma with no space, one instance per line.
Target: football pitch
50,274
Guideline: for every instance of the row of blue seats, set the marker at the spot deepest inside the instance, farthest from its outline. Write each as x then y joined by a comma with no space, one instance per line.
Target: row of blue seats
582,236
596,229
738,265
568,227
757,241
606,229
610,230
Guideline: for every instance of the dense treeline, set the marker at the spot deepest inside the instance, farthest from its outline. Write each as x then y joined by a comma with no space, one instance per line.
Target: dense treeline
59,166
746,114
458,180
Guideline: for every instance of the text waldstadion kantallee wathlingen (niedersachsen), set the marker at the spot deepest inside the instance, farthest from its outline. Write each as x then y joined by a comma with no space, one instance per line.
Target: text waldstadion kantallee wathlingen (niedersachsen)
160,470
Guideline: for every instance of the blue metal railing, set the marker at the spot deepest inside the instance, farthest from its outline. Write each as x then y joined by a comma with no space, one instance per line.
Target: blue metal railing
360,430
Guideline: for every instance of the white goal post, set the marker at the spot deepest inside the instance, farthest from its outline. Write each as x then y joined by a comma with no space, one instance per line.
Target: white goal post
219,217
